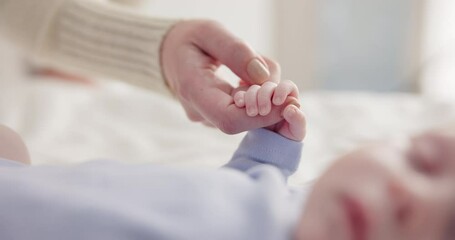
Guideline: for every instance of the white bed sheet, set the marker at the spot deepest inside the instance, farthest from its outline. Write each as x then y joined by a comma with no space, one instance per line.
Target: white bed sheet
64,123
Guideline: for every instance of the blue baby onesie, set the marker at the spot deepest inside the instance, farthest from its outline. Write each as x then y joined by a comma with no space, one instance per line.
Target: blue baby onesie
247,199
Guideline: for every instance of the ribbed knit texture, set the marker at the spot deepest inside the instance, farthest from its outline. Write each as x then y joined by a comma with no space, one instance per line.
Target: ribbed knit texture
96,38
26,22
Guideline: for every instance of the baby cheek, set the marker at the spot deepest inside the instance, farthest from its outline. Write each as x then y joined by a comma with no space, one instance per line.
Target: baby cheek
427,209
311,230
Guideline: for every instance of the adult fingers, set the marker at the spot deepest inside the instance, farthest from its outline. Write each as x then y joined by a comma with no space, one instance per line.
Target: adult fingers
208,124
191,113
218,42
216,105
275,70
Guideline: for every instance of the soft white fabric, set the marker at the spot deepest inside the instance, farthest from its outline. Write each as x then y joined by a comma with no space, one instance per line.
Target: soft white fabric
66,123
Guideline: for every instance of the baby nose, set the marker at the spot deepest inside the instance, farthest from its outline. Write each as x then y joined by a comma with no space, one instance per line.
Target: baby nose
425,155
434,152
401,202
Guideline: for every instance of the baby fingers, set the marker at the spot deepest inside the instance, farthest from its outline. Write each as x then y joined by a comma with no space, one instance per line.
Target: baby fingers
296,123
265,97
239,99
283,90
251,102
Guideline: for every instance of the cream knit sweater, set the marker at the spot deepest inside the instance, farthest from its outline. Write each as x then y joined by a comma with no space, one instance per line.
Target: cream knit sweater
93,37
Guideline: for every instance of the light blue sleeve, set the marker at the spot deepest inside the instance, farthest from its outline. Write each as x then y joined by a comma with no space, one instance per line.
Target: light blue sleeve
261,146
115,201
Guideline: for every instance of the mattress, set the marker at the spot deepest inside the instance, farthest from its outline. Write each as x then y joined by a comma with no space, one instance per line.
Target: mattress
67,123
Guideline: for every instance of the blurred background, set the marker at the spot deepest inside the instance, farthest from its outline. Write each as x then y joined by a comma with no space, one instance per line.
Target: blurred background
372,45
352,58
368,45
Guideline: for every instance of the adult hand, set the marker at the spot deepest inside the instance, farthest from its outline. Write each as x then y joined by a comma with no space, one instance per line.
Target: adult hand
192,52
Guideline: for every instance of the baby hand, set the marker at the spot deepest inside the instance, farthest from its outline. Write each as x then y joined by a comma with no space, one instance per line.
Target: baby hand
259,100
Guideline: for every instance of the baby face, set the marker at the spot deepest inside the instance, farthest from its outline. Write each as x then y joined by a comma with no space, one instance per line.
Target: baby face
386,192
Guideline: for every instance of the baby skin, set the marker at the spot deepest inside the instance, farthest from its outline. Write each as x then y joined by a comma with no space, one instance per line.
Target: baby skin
386,191
245,199
383,191
379,192
259,100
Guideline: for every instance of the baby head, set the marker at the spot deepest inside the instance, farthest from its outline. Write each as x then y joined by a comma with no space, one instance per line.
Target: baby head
386,192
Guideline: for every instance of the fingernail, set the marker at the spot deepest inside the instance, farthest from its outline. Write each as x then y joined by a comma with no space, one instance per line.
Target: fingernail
252,112
257,71
289,112
295,102
240,103
278,101
263,111
239,98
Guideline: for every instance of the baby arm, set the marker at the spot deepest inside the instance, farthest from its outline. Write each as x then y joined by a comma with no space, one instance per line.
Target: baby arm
278,145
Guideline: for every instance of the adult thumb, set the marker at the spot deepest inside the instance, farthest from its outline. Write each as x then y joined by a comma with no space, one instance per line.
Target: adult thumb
216,41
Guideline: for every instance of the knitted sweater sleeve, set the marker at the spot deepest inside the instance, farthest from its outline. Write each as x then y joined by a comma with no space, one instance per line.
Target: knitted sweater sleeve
92,37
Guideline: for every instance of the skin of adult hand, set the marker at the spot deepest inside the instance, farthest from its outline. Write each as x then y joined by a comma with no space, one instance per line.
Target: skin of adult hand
192,52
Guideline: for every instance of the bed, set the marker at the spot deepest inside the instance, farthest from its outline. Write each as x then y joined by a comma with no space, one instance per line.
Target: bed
66,123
